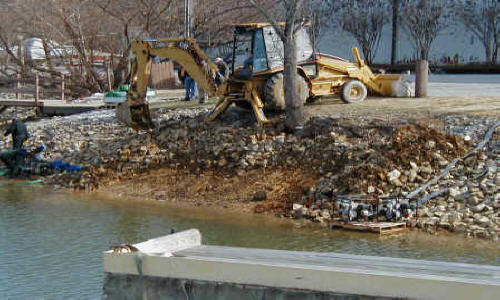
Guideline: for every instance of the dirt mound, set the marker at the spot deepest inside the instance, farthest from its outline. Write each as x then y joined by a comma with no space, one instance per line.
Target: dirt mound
420,144
208,188
415,151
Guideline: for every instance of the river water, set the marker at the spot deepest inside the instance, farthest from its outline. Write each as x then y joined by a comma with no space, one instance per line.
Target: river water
51,242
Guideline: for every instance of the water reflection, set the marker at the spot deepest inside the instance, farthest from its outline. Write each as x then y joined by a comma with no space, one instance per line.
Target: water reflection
130,227
51,243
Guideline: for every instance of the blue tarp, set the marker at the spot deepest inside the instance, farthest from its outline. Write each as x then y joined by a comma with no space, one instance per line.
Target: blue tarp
59,165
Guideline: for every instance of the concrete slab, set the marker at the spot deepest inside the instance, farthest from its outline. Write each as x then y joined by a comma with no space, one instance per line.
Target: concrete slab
55,107
171,243
324,272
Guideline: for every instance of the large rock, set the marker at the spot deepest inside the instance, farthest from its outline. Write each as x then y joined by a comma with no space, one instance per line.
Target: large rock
430,144
483,221
478,208
426,169
473,200
393,175
453,192
259,196
454,217
460,227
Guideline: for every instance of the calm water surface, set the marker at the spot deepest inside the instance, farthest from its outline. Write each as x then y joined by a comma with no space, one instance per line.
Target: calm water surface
51,242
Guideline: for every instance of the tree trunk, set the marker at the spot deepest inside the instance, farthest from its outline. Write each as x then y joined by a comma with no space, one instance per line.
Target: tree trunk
422,78
496,44
395,31
295,114
487,49
367,53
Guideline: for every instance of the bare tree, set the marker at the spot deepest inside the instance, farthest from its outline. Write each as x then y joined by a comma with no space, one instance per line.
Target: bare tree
213,20
318,13
294,21
482,18
424,20
152,18
364,20
75,17
38,22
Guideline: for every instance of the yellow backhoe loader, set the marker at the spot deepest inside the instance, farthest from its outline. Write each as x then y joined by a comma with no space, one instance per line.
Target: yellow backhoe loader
262,88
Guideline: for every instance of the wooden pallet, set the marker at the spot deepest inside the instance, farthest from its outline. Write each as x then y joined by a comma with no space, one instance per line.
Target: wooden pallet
381,228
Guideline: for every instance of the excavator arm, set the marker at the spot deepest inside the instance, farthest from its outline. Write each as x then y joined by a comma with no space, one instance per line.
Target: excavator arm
186,52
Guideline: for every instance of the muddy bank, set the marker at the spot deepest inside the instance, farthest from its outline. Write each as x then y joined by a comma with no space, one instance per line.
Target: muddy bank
231,163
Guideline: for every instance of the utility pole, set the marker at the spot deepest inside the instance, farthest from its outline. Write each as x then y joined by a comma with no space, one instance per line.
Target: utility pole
395,31
187,19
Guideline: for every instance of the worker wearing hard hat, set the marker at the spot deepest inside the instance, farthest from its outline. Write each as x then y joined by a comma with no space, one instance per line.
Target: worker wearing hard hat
222,73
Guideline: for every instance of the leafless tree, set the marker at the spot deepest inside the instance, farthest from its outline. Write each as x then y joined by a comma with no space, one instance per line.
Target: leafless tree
33,19
482,18
318,13
69,30
139,18
76,18
364,20
424,20
213,20
293,14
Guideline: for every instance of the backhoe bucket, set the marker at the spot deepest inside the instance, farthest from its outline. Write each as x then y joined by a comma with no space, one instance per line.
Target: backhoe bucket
135,116
393,85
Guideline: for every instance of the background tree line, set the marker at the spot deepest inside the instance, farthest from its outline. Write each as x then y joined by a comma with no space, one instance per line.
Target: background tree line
79,30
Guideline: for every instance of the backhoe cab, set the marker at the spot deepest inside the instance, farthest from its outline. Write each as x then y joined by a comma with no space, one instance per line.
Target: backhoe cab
261,85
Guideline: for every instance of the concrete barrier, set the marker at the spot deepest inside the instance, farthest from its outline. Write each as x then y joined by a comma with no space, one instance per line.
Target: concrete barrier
178,266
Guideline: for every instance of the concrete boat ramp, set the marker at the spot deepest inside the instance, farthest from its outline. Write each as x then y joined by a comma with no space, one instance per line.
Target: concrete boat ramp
178,266
55,107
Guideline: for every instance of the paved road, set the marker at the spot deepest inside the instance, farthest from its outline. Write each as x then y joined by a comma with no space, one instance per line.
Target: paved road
470,85
463,89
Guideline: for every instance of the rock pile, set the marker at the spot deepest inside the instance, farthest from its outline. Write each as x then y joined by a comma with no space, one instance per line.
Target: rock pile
98,142
363,157
21,113
471,202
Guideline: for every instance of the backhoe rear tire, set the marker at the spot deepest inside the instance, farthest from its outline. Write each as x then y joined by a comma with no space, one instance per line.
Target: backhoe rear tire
353,91
274,93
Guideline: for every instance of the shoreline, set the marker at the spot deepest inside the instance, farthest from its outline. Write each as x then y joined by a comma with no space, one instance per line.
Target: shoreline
232,164
232,215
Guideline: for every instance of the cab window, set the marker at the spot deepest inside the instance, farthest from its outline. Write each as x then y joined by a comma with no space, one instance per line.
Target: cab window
243,49
259,52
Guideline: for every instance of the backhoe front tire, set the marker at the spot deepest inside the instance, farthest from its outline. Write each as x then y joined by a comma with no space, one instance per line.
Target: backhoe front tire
274,93
353,91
